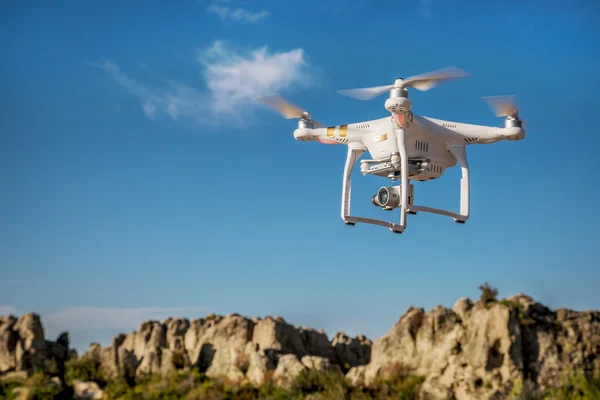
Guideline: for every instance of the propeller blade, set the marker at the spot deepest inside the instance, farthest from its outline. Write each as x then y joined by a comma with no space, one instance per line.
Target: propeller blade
503,106
285,108
282,106
421,82
431,79
366,93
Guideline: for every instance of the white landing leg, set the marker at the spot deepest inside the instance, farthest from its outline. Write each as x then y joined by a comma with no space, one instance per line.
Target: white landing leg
465,209
353,154
400,138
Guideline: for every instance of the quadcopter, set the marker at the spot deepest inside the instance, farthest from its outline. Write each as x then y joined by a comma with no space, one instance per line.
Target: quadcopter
404,146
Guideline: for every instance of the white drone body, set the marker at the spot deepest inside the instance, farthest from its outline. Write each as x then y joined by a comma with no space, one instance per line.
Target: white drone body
405,146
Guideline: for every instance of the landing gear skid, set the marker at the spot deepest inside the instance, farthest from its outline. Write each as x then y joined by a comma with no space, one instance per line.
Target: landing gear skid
354,153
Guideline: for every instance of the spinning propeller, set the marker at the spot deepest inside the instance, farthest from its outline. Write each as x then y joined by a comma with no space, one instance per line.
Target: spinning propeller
504,106
421,82
285,108
290,111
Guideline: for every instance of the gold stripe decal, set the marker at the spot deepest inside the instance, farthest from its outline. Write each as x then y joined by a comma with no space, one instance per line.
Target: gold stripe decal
343,130
330,131
381,138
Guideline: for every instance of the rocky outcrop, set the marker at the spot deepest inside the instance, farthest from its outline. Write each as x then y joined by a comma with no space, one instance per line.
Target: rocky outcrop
476,350
479,350
235,347
87,391
23,347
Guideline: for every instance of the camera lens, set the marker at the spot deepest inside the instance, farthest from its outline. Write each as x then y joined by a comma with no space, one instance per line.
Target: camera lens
383,196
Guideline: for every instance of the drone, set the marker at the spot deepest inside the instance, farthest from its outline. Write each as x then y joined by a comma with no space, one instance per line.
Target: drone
404,146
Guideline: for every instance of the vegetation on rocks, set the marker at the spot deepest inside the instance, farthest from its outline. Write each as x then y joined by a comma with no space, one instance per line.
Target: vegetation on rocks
492,348
313,385
194,385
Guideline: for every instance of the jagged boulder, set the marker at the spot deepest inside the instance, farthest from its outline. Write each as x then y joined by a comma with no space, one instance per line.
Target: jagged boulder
8,344
351,352
30,351
480,349
23,347
86,391
288,368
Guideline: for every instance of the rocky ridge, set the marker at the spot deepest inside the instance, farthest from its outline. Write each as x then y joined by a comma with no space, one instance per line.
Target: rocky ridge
476,350
232,346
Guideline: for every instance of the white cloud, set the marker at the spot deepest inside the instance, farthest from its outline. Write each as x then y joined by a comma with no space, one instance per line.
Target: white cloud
227,14
233,78
79,319
154,99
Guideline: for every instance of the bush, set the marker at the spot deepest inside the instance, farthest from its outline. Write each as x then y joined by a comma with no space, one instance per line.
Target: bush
332,384
37,386
576,386
316,385
397,381
42,388
6,390
488,293
84,369
524,320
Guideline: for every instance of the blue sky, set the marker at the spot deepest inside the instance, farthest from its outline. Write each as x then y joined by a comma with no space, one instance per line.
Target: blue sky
137,180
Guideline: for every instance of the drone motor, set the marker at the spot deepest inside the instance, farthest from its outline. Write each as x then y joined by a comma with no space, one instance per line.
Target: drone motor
306,124
398,102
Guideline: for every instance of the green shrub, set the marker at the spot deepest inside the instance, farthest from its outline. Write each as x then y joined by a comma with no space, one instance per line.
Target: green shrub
38,386
396,381
6,390
519,391
576,386
51,367
84,369
117,389
523,319
488,293
332,384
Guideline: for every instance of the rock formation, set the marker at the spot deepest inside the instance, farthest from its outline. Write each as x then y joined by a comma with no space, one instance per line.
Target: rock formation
230,346
23,347
477,350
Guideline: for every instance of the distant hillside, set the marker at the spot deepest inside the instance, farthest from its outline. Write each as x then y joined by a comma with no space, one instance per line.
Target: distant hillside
486,349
